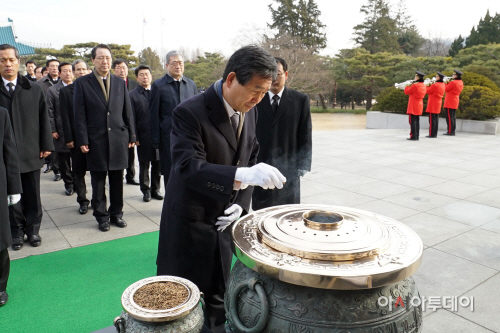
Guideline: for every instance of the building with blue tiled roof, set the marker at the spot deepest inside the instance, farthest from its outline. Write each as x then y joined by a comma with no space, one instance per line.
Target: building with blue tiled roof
7,36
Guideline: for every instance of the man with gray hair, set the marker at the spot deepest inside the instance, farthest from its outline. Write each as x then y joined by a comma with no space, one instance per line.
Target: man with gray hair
166,94
78,159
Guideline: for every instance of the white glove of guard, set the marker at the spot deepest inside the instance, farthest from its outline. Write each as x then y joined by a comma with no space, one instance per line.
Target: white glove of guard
263,175
12,199
302,173
231,214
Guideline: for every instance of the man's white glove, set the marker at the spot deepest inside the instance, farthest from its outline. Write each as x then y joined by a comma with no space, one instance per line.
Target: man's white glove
12,199
263,175
302,173
231,214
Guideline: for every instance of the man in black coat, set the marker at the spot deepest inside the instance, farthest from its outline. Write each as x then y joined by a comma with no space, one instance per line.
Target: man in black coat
139,99
27,108
120,69
47,81
284,135
30,69
63,152
10,187
105,130
166,94
78,158
214,151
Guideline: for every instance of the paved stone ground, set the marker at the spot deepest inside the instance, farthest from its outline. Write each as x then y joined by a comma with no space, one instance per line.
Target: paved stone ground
446,189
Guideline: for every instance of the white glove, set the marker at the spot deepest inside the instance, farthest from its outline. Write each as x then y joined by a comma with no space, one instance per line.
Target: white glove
12,199
302,173
263,175
231,214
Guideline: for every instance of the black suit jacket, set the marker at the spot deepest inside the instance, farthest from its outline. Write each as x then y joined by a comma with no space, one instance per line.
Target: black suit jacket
140,107
78,159
205,157
30,119
164,99
286,143
107,127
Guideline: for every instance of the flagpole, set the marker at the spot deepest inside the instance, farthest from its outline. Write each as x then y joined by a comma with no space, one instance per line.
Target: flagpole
161,34
143,26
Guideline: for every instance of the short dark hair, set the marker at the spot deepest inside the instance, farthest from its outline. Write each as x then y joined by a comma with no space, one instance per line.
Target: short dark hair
249,61
64,64
44,69
99,46
141,67
38,67
7,47
119,61
51,60
30,62
77,61
282,62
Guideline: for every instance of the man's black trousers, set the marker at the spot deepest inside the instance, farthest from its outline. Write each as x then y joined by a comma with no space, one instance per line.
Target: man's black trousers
433,124
98,180
26,216
144,176
414,126
4,269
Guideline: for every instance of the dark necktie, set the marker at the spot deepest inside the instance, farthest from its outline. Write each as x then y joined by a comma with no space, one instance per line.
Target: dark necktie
147,92
104,82
11,89
275,104
235,120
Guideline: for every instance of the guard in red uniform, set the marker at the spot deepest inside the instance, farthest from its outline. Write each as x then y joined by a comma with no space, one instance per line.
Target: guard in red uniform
416,104
453,89
435,92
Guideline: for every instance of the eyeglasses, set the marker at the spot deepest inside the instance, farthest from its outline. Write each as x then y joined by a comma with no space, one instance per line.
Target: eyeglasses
176,63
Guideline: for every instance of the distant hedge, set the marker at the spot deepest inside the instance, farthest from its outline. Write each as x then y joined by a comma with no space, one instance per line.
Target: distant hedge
480,99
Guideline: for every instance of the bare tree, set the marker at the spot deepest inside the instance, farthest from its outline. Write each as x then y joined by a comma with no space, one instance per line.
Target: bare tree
435,46
307,72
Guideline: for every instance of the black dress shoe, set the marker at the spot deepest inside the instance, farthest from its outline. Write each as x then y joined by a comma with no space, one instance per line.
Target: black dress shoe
17,243
104,226
412,139
429,136
84,208
70,191
3,297
35,240
47,169
57,177
132,182
147,196
157,195
120,223
452,134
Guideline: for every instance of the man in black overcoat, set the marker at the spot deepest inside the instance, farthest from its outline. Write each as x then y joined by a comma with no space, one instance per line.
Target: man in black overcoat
27,108
284,135
78,158
166,94
53,105
120,69
105,131
10,187
214,151
47,81
139,99
30,69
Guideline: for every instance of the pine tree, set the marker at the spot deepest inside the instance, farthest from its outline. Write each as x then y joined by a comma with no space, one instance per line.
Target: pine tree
456,46
378,32
409,39
299,18
487,31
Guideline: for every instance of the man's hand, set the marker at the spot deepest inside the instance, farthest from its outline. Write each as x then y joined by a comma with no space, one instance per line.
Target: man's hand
85,149
70,144
231,214
137,143
12,199
55,135
131,144
44,154
263,175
